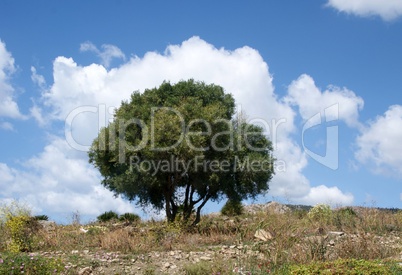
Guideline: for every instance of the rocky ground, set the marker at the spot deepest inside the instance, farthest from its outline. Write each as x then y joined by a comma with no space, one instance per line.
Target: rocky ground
173,261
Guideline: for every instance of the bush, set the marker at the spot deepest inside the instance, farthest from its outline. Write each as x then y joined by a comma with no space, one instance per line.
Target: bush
41,218
29,264
108,216
19,226
232,208
345,217
129,217
321,213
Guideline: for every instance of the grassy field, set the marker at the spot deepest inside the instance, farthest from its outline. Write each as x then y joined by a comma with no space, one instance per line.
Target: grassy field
316,241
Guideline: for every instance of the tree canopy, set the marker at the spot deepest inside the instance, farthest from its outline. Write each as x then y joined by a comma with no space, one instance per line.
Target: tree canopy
178,146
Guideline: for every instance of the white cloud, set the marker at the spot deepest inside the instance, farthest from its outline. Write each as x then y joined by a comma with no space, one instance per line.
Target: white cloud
6,126
8,106
58,182
37,78
307,96
241,72
379,143
386,9
60,178
328,195
107,54
37,113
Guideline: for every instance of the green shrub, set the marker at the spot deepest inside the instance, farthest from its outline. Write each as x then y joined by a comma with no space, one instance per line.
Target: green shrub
198,268
321,213
21,263
129,217
18,225
108,216
345,217
232,208
41,218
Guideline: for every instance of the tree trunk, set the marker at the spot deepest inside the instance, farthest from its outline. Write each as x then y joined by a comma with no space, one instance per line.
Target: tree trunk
198,215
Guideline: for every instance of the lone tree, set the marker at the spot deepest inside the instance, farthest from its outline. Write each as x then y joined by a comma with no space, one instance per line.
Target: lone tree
179,146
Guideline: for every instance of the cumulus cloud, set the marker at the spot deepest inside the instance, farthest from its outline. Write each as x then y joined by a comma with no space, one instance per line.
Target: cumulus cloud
37,78
328,195
107,54
6,126
78,92
379,143
310,100
84,97
59,181
386,9
8,106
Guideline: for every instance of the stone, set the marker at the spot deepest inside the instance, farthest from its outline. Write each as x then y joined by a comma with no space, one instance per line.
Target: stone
85,271
205,258
263,235
335,233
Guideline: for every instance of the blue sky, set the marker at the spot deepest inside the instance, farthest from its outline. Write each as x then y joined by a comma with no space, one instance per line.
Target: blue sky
288,60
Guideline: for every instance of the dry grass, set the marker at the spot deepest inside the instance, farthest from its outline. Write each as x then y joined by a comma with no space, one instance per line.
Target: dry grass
297,239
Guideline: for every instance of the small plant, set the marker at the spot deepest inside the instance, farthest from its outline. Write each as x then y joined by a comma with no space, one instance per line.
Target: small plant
129,218
321,213
344,217
29,264
41,218
76,218
21,239
18,223
108,216
232,208
198,268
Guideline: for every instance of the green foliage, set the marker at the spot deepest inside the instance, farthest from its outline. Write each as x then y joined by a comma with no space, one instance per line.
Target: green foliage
41,218
347,266
21,263
19,226
129,217
177,147
321,213
21,239
107,216
345,217
96,230
232,208
201,268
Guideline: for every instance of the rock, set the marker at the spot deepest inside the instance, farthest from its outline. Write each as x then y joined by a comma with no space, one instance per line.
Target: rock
166,265
270,207
277,208
263,235
85,271
48,225
205,258
336,233
83,230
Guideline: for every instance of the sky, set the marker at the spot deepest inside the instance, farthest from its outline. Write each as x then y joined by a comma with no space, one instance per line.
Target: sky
322,77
